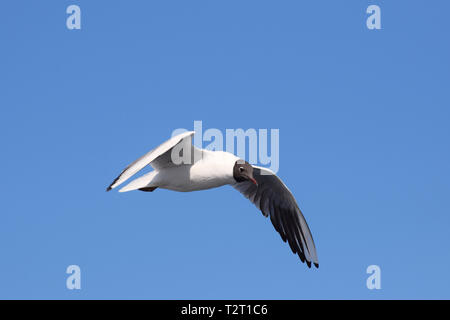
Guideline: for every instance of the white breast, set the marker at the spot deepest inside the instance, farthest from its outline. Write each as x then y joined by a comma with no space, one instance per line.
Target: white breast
214,169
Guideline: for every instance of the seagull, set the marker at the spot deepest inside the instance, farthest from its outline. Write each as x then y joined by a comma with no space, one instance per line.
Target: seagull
180,166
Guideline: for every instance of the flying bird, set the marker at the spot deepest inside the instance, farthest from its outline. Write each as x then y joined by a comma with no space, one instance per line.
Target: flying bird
180,166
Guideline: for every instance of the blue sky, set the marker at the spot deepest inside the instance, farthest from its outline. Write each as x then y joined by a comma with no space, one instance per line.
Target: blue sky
363,118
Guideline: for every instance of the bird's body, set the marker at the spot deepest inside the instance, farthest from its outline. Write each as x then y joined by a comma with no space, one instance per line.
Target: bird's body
213,169
179,166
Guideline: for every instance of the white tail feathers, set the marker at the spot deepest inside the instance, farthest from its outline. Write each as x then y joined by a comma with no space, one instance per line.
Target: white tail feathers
141,182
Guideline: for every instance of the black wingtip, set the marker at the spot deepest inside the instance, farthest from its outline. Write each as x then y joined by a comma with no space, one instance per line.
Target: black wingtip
115,180
317,265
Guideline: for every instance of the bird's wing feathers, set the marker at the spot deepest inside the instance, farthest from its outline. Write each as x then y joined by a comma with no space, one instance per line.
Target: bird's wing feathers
274,199
148,158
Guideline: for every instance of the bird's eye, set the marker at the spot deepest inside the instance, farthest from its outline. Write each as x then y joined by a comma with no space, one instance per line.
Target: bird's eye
241,169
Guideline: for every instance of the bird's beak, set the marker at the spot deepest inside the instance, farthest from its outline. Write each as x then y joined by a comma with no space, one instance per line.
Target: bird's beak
253,180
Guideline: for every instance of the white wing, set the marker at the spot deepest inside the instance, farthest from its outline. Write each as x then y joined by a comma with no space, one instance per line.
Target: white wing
147,159
274,199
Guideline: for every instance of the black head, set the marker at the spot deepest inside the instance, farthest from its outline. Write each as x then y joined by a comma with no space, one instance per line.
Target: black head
243,171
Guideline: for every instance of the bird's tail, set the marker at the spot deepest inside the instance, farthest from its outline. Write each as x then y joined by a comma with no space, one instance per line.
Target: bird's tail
142,182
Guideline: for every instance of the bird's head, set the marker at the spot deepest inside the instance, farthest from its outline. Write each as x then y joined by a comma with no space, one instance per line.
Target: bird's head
243,171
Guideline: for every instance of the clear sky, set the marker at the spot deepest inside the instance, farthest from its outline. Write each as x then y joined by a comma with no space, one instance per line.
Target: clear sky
364,146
